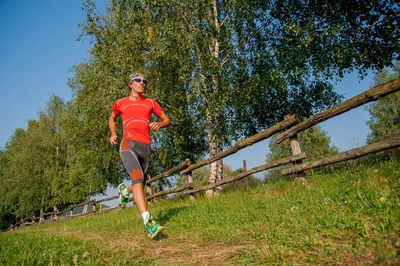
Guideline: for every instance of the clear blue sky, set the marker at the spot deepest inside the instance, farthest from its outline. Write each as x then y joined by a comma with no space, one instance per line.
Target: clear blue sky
39,46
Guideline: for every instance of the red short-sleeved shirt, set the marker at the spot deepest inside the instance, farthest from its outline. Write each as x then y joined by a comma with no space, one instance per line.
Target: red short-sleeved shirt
136,117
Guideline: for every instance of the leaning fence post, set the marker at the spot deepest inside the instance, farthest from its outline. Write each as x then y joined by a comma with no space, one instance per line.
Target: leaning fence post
41,216
296,149
246,181
190,181
55,211
154,190
149,189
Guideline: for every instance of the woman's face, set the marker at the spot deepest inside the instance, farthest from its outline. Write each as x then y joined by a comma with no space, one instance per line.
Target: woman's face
138,84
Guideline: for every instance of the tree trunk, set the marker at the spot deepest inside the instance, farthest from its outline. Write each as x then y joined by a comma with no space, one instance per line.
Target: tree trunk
216,168
220,169
212,146
215,143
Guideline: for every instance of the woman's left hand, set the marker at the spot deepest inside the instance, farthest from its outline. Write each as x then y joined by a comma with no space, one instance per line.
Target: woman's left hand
154,126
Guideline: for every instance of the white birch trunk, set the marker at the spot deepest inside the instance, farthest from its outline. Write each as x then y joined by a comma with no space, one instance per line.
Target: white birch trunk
216,168
213,151
215,145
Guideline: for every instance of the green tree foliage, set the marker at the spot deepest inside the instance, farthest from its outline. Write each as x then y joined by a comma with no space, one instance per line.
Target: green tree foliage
220,70
224,69
384,119
6,215
34,167
93,162
341,35
123,41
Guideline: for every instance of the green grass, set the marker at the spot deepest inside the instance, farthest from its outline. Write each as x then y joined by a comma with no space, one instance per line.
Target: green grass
350,216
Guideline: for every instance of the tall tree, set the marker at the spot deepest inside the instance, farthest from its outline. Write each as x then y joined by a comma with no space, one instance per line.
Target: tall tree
6,212
28,185
384,119
36,165
226,69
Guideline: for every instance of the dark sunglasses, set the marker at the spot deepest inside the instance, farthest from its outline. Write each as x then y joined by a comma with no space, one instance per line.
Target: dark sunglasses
138,80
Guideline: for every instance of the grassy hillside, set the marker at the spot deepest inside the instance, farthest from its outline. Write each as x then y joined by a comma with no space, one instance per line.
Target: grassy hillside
349,217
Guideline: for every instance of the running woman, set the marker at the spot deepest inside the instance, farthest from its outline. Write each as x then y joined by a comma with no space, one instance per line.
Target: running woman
136,111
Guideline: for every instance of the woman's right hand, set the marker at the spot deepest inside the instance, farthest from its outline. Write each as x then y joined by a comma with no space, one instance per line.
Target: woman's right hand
113,139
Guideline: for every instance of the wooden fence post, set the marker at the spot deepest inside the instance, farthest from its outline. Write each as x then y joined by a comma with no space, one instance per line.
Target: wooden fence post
55,211
190,181
244,172
296,149
148,188
153,191
41,216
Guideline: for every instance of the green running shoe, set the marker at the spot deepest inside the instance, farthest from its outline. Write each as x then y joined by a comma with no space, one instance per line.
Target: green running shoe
122,199
153,228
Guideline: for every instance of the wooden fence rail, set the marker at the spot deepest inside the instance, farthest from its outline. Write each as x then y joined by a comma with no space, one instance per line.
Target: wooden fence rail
170,191
251,171
288,122
345,156
170,172
358,100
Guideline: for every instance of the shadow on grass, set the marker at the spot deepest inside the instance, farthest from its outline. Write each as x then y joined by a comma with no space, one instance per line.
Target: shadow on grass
165,215
160,236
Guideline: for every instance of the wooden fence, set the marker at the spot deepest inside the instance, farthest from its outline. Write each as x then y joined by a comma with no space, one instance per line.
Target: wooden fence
288,129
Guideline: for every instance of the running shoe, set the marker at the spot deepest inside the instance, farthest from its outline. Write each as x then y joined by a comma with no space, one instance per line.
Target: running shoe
153,228
122,199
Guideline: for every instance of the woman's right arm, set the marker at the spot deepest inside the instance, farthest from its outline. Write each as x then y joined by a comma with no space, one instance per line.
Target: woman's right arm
112,125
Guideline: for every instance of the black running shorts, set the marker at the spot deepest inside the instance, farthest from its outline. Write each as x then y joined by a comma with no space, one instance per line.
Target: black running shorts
135,157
